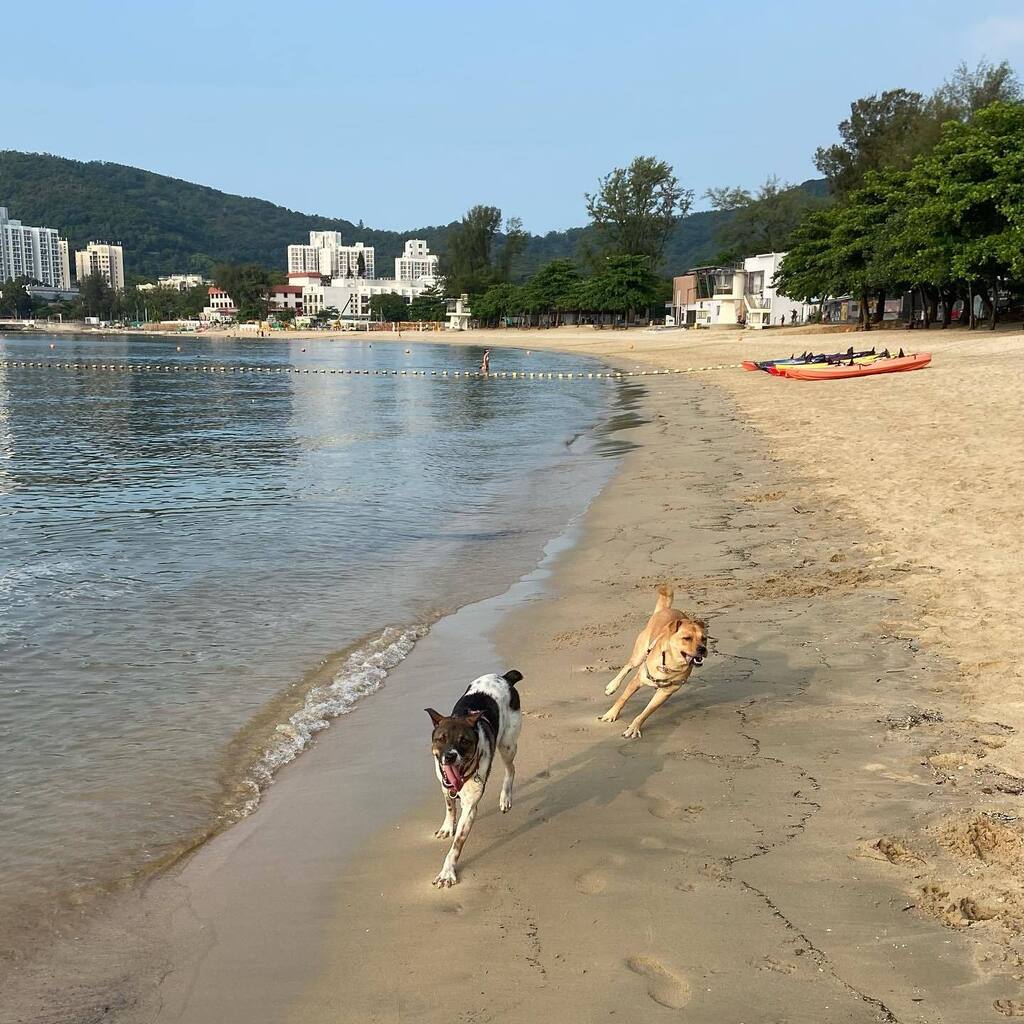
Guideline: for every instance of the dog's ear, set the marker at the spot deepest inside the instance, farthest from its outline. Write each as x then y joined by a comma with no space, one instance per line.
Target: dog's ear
435,716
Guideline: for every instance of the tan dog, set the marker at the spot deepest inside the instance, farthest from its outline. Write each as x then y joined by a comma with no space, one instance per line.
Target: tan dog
665,653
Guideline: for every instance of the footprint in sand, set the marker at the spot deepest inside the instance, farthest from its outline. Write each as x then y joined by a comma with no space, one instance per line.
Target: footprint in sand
665,987
1009,1007
669,810
596,880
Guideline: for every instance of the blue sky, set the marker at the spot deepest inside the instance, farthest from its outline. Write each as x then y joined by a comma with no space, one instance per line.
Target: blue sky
403,114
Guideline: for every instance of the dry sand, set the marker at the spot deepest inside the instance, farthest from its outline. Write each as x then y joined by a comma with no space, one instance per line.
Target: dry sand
822,827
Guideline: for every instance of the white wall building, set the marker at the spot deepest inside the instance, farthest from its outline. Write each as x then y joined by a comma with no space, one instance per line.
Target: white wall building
416,262
765,305
181,282
32,252
328,256
735,296
220,305
103,259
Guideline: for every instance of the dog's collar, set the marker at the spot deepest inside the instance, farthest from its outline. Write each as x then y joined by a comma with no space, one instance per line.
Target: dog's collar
662,682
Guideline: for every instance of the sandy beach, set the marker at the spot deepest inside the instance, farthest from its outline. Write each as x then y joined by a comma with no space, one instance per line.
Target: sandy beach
822,827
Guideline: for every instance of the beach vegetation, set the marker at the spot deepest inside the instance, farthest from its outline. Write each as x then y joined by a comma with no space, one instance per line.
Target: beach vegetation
635,209
248,285
389,306
947,229
428,306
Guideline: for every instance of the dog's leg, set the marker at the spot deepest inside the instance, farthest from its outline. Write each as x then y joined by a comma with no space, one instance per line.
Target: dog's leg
446,830
661,695
470,797
616,709
617,681
508,756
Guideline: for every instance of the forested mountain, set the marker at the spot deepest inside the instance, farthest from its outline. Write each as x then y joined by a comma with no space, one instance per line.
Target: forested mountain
167,225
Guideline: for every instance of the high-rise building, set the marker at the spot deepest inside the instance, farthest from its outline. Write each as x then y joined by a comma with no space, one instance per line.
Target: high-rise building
35,253
103,259
416,262
328,256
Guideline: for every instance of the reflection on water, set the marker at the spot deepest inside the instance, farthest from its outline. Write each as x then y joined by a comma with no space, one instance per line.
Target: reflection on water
178,550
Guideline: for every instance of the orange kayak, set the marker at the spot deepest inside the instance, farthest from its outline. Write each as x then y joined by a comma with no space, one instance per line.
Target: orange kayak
831,372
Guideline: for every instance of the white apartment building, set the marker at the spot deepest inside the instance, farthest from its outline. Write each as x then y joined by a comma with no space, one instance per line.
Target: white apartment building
181,282
328,256
220,305
416,262
103,259
37,253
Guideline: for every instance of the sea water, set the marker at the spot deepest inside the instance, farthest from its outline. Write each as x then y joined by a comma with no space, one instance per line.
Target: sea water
200,570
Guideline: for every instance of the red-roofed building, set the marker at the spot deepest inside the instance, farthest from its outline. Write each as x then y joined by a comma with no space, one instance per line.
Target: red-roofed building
287,296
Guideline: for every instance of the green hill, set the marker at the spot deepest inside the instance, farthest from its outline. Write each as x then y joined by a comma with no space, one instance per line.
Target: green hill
167,225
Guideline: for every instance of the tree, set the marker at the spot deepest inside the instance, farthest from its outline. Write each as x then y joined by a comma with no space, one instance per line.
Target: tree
625,285
15,301
389,306
727,198
429,305
967,91
635,208
881,131
248,285
515,244
470,245
553,289
499,302
764,222
360,265
968,203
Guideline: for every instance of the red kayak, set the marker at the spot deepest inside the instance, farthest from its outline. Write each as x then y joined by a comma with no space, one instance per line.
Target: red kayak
829,371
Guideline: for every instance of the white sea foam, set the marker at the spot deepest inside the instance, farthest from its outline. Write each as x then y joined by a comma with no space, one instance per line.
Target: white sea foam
362,673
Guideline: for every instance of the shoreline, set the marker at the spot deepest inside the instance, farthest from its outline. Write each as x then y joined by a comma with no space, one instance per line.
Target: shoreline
784,838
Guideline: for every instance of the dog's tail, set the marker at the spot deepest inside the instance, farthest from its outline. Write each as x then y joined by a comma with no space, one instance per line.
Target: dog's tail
512,676
666,593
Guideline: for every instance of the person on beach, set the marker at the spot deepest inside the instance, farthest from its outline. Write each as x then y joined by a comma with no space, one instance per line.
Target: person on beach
485,363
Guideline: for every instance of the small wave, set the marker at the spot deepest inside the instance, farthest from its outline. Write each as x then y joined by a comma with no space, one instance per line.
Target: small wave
362,673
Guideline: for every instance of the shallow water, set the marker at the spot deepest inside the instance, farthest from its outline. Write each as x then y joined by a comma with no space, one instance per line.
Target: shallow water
198,571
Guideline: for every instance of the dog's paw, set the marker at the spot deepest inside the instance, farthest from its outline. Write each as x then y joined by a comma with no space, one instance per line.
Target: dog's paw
446,878
444,832
632,732
610,715
611,688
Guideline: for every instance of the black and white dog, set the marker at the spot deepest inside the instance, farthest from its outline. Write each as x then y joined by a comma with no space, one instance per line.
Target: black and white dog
486,720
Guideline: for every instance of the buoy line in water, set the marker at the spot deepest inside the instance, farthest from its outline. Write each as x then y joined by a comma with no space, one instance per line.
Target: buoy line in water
23,364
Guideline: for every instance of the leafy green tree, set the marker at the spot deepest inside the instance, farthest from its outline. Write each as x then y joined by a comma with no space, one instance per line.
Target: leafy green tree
248,285
15,300
553,289
966,204
635,208
764,222
512,250
469,267
881,131
428,306
497,303
625,285
389,306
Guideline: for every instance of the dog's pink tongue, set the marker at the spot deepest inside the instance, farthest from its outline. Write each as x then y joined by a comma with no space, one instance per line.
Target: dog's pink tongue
452,776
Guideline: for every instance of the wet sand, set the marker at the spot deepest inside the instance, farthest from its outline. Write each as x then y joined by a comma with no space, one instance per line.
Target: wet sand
821,827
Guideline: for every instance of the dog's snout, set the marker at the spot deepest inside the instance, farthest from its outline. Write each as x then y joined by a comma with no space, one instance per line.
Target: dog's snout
702,651
449,757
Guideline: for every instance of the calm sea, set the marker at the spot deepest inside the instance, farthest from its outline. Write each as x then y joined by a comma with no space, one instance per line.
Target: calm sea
198,571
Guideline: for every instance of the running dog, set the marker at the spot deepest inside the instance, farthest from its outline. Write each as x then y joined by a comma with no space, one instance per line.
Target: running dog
486,720
671,645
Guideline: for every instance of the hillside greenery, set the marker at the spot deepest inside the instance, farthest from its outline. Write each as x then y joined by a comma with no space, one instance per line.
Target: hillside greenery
167,225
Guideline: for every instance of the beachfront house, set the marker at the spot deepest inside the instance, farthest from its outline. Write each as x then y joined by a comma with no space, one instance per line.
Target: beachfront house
735,295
